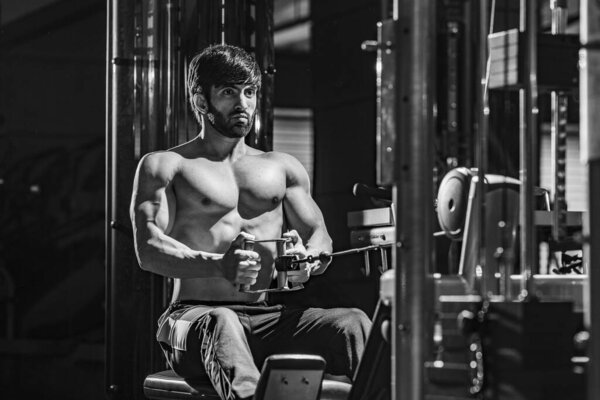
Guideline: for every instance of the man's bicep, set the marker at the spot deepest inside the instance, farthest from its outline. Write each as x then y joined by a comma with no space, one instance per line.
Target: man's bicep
302,213
150,200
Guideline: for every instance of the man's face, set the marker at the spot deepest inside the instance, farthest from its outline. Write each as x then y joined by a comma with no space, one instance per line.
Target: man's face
231,109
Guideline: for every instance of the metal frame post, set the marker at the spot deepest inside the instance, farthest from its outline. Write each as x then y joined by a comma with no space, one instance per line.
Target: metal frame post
265,56
481,145
172,81
589,111
528,125
119,253
413,194
559,102
134,298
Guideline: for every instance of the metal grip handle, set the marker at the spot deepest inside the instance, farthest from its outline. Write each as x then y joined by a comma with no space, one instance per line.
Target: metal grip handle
282,275
248,245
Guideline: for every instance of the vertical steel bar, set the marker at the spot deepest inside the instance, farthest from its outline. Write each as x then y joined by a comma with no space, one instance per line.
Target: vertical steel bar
108,373
171,133
589,112
223,17
211,14
593,251
153,72
451,141
379,170
481,144
386,134
528,100
559,134
413,195
119,378
134,297
153,292
466,66
265,56
559,152
234,29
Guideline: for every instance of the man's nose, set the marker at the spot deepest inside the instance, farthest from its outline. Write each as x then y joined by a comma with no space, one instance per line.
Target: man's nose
242,102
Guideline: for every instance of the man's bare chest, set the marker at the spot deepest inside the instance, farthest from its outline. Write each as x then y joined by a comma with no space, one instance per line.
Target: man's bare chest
253,187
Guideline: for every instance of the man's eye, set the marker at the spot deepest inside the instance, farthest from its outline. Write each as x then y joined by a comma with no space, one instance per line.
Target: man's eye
228,91
250,92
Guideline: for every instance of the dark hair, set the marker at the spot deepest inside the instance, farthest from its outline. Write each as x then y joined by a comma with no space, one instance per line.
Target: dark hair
220,65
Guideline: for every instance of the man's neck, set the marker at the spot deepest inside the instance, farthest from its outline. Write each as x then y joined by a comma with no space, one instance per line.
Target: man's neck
217,145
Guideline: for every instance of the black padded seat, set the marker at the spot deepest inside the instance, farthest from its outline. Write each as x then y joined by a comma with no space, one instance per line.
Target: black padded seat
166,385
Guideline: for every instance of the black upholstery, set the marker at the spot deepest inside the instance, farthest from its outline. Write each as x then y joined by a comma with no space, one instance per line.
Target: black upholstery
166,385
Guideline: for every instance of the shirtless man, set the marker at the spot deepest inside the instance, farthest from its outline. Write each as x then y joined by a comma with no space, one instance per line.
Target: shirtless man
193,206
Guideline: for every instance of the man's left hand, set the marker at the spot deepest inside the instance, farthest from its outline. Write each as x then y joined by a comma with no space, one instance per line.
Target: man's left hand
296,247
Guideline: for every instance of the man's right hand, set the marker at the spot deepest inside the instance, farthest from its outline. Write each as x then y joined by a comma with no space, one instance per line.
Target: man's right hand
240,266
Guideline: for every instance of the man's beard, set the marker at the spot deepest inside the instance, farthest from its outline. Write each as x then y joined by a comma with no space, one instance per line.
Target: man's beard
228,128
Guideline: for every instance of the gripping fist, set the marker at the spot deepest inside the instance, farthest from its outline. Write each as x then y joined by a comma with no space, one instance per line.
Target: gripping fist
241,266
296,247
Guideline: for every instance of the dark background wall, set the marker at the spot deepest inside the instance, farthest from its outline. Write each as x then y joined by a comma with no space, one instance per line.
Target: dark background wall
52,89
344,123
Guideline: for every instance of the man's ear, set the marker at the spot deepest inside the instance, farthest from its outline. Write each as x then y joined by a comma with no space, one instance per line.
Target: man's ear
200,102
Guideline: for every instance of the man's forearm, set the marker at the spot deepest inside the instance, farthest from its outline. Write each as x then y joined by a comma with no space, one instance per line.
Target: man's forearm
319,242
163,255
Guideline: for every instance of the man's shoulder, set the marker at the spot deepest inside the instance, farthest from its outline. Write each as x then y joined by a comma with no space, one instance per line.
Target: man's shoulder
161,158
293,168
161,164
288,161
